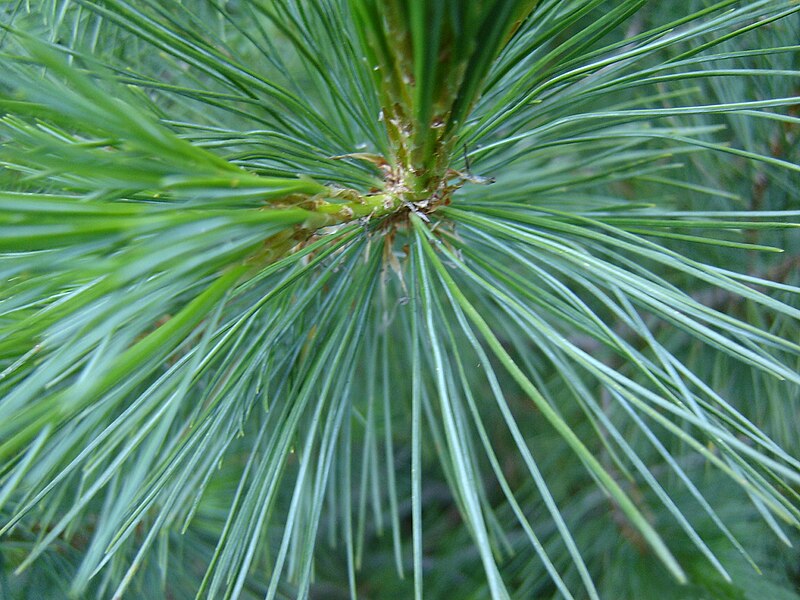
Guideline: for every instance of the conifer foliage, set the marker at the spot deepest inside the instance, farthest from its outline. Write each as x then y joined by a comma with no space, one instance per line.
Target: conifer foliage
399,299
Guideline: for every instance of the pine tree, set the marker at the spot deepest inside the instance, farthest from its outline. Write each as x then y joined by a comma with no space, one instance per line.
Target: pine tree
399,299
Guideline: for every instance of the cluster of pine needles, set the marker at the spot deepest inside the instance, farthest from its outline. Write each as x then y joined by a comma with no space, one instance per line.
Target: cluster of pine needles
399,299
